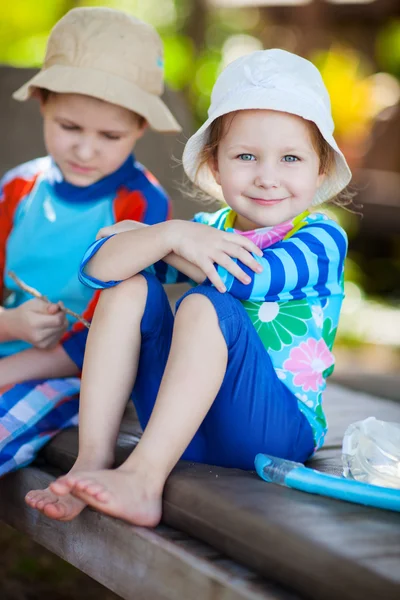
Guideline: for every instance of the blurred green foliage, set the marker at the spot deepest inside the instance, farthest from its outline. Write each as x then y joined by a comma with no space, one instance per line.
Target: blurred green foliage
195,39
199,40
30,572
388,47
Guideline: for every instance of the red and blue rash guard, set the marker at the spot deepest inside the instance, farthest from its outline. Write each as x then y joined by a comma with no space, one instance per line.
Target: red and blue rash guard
46,224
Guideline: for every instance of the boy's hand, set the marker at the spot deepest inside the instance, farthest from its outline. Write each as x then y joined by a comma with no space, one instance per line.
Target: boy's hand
203,246
120,227
38,323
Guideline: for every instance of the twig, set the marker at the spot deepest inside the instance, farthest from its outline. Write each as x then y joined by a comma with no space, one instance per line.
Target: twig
33,292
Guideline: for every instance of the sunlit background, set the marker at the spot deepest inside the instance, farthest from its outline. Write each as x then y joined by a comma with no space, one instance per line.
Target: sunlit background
356,45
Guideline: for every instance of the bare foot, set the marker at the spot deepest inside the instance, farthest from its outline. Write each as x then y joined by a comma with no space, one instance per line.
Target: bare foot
119,493
63,508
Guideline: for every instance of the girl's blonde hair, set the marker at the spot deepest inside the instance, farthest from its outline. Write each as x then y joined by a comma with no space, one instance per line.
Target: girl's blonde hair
325,153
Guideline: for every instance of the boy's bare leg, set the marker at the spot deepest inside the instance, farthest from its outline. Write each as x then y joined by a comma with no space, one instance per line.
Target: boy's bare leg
194,373
111,358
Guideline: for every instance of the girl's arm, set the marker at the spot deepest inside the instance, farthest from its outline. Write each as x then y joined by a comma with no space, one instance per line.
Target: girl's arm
36,364
310,263
111,260
176,262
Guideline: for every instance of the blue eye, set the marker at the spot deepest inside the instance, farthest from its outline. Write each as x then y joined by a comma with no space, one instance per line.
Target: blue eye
290,158
247,157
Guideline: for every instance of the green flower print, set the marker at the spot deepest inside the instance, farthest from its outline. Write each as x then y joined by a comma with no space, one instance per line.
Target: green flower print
278,322
320,416
328,335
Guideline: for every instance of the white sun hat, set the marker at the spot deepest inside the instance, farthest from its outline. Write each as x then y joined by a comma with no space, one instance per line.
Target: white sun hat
269,80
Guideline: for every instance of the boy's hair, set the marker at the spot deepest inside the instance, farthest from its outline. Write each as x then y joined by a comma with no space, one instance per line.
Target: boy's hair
326,154
44,95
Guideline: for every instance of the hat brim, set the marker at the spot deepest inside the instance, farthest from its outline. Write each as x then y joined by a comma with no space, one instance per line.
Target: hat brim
105,86
333,183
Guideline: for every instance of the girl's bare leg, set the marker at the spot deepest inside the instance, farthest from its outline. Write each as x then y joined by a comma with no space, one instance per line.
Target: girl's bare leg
194,373
111,358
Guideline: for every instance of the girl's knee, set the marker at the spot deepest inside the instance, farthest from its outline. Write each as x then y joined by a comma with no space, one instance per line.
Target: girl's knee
230,314
197,307
128,290
203,297
194,301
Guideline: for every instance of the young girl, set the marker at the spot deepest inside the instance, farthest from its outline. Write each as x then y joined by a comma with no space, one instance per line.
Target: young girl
242,367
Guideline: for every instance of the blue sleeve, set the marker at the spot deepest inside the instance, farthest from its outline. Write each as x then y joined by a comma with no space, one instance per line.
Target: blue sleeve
164,272
309,264
86,279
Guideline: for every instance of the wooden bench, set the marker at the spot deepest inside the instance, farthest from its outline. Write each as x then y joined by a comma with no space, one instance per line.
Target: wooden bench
225,533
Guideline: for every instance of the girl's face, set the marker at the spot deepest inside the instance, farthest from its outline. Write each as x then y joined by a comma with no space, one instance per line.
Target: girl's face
88,138
267,167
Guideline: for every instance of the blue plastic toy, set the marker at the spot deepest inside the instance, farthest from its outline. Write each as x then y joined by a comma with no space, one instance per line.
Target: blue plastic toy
296,475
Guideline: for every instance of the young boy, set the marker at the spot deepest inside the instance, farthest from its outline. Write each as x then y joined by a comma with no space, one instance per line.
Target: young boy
99,89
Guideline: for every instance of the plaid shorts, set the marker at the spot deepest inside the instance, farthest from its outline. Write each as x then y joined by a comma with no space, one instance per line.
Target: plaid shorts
31,413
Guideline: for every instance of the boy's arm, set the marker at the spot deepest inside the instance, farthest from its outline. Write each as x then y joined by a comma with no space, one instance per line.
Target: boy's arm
14,186
34,321
36,364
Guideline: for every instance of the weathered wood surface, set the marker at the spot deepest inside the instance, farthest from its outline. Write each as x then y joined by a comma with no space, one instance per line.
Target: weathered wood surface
134,562
384,385
318,547
321,547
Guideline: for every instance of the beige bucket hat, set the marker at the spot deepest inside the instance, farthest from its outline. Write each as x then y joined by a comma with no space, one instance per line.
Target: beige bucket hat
272,80
110,55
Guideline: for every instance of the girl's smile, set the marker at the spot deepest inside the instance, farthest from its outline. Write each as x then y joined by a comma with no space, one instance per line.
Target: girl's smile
267,202
267,167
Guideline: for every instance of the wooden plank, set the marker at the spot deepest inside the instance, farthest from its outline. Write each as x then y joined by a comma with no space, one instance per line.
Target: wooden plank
344,406
318,546
134,562
299,540
385,385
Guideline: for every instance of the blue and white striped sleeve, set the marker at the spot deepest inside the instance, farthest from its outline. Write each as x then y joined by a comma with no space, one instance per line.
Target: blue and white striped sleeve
164,272
88,280
309,264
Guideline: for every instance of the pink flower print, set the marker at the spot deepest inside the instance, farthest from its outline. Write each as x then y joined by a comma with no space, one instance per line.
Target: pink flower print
307,362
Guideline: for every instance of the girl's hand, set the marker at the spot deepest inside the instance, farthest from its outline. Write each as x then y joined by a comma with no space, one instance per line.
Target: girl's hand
119,227
203,246
37,322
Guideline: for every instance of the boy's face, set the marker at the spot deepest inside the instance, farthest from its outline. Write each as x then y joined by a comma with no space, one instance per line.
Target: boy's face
88,138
